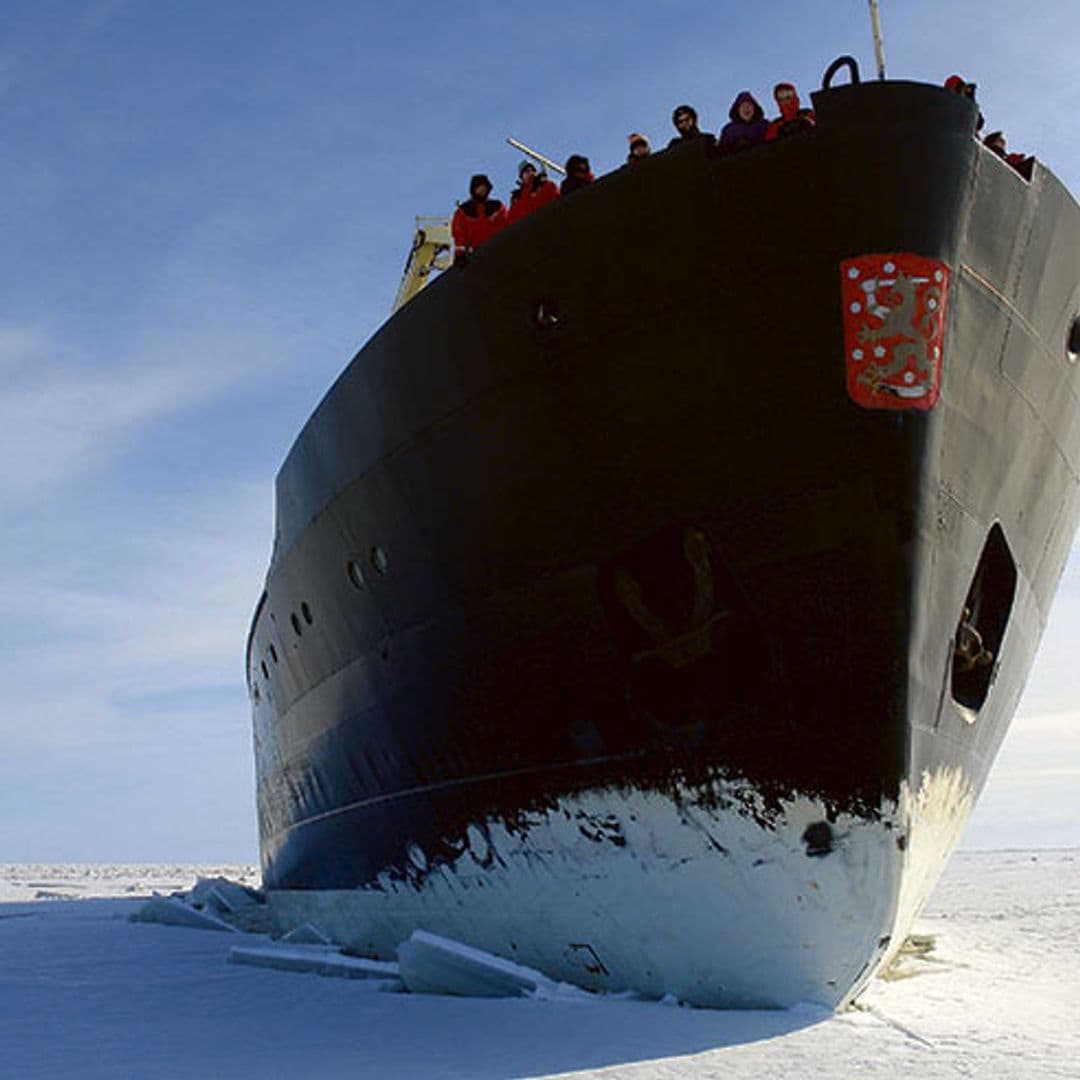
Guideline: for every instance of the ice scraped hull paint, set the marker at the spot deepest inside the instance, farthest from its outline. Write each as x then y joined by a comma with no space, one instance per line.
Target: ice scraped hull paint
650,597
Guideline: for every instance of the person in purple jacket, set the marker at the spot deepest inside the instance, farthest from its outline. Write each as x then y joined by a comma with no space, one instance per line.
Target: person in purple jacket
747,127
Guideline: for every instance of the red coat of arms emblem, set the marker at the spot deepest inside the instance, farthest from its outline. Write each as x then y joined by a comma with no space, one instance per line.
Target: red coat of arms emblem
894,321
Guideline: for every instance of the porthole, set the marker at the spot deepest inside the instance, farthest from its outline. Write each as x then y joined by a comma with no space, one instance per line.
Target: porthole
273,654
306,612
356,574
256,696
1072,341
379,559
265,670
295,623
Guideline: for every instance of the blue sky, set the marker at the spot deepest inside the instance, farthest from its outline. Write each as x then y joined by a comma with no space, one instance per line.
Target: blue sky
204,211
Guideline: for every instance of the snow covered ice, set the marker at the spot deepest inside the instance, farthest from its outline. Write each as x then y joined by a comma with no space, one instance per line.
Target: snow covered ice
430,964
84,992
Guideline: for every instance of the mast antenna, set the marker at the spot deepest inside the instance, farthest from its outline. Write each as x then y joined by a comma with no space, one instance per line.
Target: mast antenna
879,49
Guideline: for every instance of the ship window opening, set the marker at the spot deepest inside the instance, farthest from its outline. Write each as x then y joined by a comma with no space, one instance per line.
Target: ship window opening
306,612
356,574
265,669
295,623
273,654
546,314
983,618
256,696
379,559
1072,342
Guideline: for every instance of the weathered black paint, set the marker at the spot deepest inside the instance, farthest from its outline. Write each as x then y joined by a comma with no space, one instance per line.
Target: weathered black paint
693,386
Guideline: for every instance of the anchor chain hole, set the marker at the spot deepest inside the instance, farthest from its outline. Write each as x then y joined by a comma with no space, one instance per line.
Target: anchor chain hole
1072,340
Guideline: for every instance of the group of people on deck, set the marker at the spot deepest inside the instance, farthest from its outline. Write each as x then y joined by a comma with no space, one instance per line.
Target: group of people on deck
478,219
481,217
995,141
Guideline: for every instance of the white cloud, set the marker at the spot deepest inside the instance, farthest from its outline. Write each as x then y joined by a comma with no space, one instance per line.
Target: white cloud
124,608
126,728
176,622
61,422
68,408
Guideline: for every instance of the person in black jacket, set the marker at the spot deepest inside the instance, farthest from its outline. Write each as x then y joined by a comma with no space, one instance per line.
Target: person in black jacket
639,148
578,174
686,124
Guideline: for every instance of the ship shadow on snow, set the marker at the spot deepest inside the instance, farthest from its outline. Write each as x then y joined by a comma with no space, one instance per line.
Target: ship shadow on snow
206,1017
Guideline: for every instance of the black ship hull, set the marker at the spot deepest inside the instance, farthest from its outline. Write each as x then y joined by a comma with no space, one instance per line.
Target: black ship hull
605,629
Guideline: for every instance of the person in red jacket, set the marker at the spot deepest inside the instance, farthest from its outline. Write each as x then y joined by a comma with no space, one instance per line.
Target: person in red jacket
792,120
477,220
957,84
1022,163
533,191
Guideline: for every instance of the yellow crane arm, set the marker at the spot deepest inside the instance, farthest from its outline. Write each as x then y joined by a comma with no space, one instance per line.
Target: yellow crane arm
431,250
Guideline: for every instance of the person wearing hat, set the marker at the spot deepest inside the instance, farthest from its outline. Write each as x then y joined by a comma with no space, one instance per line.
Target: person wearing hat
477,220
957,84
639,148
533,191
686,124
578,174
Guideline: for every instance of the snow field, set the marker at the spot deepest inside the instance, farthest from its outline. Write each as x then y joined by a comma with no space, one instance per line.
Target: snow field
86,993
